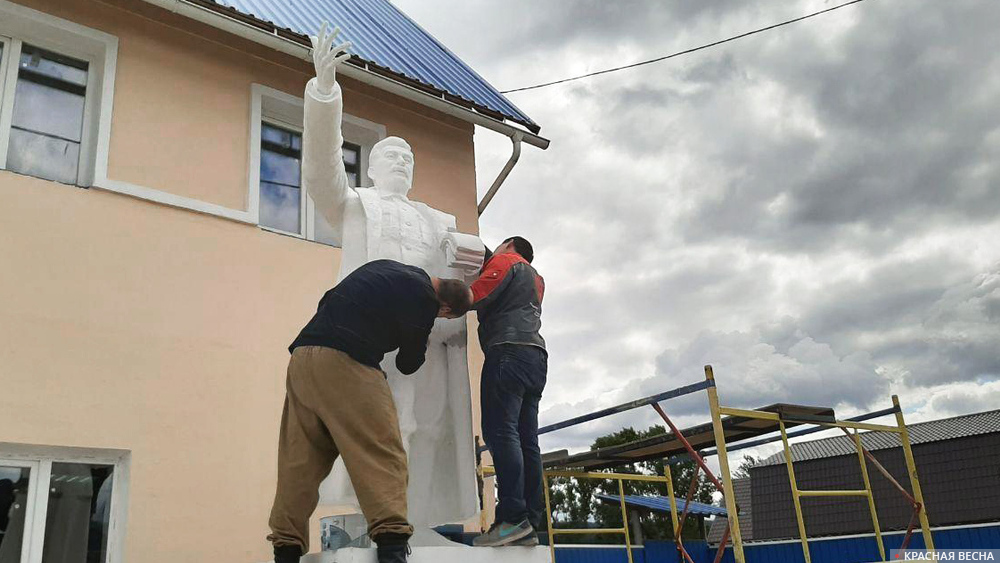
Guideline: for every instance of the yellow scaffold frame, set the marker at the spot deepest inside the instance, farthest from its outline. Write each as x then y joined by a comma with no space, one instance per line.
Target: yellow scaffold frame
917,499
850,427
620,478
548,474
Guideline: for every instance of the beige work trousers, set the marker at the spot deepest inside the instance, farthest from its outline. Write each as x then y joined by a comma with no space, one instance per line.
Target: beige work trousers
335,406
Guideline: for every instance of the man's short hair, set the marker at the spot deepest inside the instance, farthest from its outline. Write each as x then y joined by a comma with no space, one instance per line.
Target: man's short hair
455,295
522,247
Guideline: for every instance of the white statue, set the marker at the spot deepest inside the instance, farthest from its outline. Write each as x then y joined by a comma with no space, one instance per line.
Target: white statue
434,405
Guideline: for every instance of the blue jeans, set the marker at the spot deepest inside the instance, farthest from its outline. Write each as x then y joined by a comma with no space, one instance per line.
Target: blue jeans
510,390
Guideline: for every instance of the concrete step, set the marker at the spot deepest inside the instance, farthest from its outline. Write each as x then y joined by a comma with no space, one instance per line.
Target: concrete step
446,554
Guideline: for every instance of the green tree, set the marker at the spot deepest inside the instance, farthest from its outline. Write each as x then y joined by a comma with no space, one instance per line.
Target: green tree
743,471
575,504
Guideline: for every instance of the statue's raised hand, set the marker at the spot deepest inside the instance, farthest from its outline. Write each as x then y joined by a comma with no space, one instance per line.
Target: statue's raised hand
326,58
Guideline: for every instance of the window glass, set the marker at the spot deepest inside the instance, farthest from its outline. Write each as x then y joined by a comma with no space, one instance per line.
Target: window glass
43,156
280,137
280,178
280,168
350,156
279,207
76,524
48,110
352,162
53,65
13,507
47,123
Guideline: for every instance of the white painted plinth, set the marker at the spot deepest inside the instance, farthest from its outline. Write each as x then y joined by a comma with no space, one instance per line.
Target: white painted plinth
449,554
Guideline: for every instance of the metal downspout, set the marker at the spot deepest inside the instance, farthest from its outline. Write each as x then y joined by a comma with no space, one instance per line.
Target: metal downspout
514,155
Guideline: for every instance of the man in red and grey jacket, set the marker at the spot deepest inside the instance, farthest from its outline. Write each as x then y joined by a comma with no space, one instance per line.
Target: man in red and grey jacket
508,299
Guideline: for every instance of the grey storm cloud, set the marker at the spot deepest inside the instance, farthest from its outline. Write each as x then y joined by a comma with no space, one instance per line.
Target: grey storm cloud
931,319
752,372
554,24
906,132
893,292
813,210
955,339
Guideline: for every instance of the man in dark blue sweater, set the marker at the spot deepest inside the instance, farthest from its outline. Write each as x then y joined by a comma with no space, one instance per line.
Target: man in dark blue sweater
338,402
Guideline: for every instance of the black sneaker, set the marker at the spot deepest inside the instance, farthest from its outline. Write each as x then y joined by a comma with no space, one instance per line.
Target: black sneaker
287,554
392,553
392,548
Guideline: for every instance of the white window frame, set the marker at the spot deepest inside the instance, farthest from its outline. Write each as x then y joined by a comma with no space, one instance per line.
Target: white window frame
99,49
32,500
40,459
7,44
284,110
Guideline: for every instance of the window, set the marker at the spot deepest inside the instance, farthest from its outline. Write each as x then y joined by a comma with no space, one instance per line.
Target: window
352,163
276,199
47,123
59,509
15,488
56,90
282,206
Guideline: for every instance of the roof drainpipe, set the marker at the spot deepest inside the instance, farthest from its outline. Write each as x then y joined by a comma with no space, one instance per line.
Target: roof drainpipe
516,154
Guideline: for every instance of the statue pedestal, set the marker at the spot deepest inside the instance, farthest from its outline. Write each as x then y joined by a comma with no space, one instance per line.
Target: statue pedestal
449,554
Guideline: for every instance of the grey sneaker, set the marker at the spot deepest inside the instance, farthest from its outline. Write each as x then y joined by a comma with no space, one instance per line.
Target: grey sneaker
504,534
530,540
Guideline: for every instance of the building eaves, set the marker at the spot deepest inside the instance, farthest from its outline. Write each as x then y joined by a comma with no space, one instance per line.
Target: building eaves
384,41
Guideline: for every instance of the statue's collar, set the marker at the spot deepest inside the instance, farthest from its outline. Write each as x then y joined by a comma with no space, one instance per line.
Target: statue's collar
394,197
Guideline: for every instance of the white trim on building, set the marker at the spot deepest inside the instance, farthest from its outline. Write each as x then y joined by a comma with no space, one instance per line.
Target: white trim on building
98,49
21,24
39,460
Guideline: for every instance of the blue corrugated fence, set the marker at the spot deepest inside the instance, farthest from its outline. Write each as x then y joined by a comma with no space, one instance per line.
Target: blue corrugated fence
833,550
598,555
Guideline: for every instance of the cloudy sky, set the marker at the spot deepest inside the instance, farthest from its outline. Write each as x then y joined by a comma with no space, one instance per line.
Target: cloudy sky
814,210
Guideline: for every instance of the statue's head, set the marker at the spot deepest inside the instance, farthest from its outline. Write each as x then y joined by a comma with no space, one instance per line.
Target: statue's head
390,166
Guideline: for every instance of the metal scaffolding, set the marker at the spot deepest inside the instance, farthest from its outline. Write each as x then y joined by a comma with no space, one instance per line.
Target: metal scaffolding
731,429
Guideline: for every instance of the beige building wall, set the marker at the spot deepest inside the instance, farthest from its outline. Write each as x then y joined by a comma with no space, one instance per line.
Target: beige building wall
132,325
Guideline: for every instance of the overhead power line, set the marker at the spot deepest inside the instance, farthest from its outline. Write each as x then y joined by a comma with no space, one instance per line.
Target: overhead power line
685,52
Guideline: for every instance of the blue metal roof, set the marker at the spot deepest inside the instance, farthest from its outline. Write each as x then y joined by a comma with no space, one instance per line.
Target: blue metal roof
662,504
383,35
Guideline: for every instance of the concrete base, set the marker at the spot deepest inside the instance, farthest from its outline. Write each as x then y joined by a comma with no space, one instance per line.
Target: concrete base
450,554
